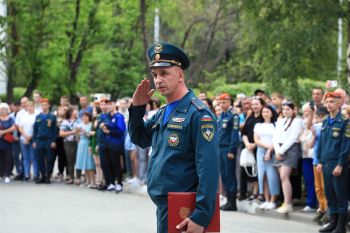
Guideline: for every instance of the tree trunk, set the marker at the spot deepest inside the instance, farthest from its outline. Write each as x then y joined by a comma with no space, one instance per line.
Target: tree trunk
143,10
74,63
12,50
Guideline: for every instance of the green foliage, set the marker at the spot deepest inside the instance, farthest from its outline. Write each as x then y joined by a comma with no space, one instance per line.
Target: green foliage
18,93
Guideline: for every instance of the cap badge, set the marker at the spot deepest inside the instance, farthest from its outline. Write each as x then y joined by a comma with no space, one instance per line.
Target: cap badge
157,57
158,48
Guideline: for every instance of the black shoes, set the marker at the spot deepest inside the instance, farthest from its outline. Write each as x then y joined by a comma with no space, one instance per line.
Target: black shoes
341,226
231,204
18,177
102,188
330,227
229,207
40,180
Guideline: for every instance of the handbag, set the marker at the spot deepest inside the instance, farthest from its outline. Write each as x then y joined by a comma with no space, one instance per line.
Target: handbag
246,160
9,138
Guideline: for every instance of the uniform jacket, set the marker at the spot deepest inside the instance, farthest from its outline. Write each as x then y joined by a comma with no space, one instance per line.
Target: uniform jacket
45,129
185,153
100,135
334,144
228,125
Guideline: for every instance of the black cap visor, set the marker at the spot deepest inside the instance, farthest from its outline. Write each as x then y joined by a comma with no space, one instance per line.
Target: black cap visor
164,63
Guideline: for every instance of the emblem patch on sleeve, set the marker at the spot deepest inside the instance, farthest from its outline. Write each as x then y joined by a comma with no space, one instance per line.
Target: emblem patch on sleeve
236,122
173,139
347,130
207,131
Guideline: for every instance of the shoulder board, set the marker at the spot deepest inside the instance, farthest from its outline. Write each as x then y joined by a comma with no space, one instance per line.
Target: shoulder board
234,112
198,103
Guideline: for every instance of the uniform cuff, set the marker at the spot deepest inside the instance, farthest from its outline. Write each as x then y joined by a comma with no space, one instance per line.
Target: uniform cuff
200,218
137,111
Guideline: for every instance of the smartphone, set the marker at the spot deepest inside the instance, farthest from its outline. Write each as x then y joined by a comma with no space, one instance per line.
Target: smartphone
312,104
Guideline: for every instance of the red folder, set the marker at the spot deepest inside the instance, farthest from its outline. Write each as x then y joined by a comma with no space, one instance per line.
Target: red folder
181,205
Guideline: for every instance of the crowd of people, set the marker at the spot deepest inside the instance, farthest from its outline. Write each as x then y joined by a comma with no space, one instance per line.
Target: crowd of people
92,148
89,143
297,152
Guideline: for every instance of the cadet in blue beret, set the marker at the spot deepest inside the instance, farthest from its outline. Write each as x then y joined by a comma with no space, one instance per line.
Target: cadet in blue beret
228,124
332,154
183,136
45,133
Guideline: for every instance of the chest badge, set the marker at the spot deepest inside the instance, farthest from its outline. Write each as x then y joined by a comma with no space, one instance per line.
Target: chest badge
49,123
335,133
178,119
207,132
173,139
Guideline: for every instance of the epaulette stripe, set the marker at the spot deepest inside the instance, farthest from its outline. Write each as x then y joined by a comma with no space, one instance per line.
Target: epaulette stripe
199,105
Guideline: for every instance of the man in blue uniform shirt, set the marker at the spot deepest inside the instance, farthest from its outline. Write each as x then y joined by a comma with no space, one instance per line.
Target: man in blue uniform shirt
332,154
183,136
101,140
228,142
44,141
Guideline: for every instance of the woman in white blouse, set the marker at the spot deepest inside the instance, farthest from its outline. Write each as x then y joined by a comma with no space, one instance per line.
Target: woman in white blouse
288,150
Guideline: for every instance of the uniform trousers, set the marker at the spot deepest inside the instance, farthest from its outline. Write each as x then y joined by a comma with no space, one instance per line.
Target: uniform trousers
336,189
44,158
228,172
162,213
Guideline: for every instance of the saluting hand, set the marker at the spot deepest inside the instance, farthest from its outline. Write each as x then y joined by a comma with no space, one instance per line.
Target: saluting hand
192,227
142,93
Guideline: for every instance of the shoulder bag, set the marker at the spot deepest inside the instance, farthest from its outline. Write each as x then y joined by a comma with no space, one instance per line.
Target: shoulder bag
247,159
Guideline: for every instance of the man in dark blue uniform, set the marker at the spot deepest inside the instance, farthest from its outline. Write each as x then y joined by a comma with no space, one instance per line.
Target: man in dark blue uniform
228,142
183,136
332,153
101,140
44,141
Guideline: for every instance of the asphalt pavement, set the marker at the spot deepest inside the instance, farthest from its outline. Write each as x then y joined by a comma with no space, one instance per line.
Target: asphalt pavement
58,208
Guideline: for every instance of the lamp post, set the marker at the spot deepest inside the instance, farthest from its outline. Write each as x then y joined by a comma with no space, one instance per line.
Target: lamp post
340,46
156,24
